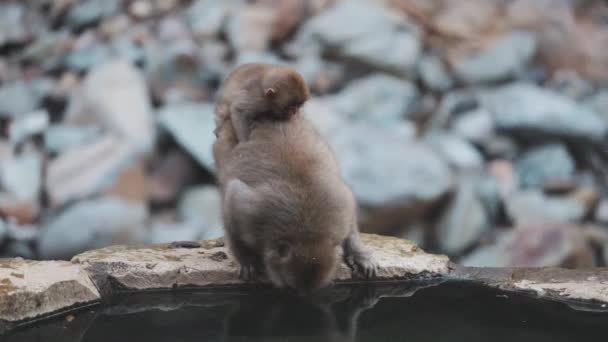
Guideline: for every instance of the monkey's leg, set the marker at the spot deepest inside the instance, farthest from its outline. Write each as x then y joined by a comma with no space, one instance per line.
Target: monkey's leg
356,256
249,261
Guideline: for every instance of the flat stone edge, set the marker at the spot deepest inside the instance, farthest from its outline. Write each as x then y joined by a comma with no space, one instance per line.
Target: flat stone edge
27,293
570,286
581,289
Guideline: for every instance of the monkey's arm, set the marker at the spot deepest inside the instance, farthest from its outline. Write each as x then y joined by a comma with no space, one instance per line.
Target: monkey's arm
225,142
239,202
356,256
241,120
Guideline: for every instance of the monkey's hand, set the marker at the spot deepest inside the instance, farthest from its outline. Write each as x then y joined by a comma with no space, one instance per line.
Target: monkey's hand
249,271
361,262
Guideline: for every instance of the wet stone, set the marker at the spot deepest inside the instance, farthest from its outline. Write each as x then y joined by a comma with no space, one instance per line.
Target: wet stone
30,289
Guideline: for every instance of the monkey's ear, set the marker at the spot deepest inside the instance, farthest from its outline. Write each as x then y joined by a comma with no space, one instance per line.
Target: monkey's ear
241,197
270,92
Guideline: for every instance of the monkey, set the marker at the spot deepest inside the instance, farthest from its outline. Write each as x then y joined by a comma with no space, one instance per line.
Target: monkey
254,92
287,211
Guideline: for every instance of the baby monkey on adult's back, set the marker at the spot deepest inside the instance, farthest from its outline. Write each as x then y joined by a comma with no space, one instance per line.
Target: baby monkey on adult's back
256,92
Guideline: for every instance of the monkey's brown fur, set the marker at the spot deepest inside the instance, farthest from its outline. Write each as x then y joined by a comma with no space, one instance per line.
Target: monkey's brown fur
287,211
255,92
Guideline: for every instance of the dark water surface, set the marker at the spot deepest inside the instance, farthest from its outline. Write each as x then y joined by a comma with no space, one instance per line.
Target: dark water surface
390,312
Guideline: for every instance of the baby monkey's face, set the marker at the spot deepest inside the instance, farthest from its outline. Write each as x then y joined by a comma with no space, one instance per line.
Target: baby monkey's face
301,266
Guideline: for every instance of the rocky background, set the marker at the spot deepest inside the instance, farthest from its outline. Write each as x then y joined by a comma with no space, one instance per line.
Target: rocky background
476,128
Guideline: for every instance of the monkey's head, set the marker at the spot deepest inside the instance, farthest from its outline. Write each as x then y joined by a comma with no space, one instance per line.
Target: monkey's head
284,90
303,265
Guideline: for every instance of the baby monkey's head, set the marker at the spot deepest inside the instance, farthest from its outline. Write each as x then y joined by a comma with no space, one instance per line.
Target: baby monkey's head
303,265
284,90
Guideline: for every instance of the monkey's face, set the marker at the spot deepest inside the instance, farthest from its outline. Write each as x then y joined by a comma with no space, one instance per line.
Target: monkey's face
302,266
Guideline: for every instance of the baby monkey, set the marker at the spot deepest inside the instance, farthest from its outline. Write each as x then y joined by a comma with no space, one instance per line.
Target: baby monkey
255,92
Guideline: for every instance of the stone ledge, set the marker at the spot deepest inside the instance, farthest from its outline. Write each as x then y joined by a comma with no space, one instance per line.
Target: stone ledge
162,267
29,289
578,288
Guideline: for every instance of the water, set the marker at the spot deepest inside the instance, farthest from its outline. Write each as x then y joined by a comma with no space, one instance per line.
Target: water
390,312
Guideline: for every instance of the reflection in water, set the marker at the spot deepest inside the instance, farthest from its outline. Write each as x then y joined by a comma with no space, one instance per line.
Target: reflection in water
331,318
388,312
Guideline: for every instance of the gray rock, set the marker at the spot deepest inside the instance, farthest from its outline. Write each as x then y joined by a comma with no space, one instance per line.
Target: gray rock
192,125
88,57
392,169
20,180
601,212
207,17
543,164
92,224
501,146
599,103
20,249
532,206
126,49
488,191
464,220
47,50
28,125
21,232
257,57
250,28
162,232
320,75
571,84
33,288
523,108
12,24
17,98
379,38
542,245
158,267
115,95
379,99
324,117
89,11
201,207
60,137
457,152
177,71
87,170
502,60
453,104
434,74
477,125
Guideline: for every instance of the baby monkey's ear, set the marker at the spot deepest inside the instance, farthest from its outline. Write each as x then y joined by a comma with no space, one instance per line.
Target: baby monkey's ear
270,92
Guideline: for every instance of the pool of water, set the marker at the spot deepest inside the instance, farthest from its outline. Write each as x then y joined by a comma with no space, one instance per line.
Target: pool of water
412,312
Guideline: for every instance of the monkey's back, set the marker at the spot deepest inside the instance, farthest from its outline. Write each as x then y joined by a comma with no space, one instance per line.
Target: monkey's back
299,173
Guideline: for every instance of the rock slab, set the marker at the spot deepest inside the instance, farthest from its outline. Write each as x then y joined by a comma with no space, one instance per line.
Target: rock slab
163,267
29,289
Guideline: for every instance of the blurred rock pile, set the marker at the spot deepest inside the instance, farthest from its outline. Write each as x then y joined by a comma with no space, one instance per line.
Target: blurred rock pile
478,128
